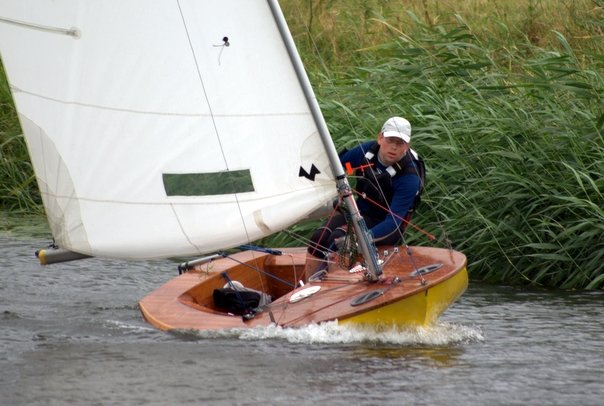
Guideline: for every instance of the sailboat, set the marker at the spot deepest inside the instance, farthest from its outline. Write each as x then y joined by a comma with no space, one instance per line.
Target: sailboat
184,128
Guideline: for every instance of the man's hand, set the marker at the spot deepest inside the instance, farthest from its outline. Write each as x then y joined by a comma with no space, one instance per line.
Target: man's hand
340,243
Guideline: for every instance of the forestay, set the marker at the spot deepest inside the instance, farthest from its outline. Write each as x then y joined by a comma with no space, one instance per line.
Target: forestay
162,128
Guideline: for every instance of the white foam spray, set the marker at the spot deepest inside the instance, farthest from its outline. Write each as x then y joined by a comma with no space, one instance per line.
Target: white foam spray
442,333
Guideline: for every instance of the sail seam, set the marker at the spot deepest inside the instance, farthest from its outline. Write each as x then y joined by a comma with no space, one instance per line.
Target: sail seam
182,229
156,113
185,201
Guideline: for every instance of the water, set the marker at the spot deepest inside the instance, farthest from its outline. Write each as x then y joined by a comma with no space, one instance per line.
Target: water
72,334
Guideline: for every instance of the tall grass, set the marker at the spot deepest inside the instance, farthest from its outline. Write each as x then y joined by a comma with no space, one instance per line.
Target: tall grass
18,188
330,31
513,143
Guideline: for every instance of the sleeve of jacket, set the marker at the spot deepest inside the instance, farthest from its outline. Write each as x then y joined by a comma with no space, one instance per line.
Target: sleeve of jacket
356,155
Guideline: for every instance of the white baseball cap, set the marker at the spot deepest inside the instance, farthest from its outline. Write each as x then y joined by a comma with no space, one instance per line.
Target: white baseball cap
397,127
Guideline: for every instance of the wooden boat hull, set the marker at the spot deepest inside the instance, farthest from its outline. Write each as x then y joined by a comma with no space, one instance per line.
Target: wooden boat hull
402,298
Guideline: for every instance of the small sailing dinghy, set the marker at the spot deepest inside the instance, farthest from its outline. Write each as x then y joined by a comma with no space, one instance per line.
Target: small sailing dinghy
185,128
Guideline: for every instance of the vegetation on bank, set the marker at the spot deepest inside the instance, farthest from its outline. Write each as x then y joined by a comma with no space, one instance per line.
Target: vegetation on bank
506,102
18,188
507,111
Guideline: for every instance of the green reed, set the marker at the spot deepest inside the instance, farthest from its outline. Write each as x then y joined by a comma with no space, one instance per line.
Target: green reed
18,189
513,145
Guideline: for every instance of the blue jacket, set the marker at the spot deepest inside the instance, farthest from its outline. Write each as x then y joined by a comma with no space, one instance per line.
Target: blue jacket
404,189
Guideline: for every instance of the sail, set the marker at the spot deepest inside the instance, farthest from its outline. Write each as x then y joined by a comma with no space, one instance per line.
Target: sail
162,128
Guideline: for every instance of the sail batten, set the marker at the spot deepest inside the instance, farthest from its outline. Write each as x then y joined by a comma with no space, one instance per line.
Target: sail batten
72,32
139,96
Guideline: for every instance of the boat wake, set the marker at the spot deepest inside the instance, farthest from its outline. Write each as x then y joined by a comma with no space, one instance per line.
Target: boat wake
440,334
127,327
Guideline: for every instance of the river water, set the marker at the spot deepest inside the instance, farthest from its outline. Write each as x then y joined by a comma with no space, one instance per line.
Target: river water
72,333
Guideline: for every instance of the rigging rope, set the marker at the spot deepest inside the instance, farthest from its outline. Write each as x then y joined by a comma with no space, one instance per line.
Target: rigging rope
387,209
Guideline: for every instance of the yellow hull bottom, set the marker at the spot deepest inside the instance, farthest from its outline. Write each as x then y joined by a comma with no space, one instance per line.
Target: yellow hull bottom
420,309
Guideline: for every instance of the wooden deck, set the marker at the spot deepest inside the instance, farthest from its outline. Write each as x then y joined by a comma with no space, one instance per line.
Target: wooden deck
404,298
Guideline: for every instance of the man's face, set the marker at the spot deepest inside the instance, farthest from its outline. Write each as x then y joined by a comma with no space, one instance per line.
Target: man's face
392,149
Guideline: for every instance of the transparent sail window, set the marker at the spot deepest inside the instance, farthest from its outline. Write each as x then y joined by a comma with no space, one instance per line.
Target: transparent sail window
207,184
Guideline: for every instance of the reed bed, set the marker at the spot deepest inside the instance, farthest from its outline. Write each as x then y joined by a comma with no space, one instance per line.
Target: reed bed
507,111
513,143
328,32
18,188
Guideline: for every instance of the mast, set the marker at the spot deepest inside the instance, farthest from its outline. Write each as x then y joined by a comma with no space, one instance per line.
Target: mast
360,227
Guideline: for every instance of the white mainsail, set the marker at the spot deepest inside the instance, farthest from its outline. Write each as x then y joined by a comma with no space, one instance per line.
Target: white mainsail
172,127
